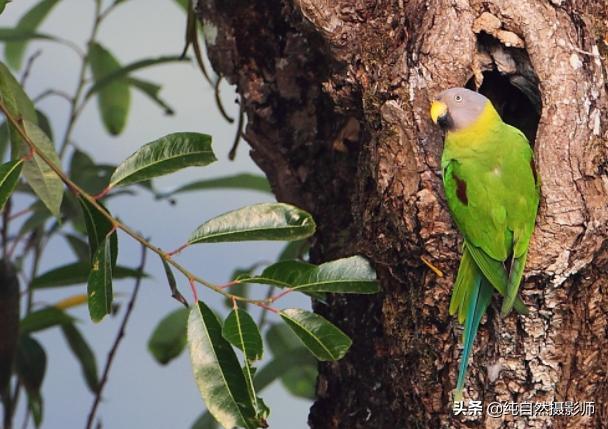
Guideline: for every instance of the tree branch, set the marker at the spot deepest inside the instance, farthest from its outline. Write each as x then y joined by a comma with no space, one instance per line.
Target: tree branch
119,336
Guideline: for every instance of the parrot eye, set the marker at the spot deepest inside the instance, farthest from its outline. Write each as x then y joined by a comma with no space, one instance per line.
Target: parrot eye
458,98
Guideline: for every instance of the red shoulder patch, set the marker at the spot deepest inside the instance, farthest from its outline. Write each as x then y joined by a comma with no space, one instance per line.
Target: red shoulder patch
461,189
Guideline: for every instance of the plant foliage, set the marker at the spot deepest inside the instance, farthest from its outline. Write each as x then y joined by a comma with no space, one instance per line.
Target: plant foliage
224,352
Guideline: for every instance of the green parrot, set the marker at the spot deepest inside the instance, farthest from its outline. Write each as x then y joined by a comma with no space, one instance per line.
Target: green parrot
493,193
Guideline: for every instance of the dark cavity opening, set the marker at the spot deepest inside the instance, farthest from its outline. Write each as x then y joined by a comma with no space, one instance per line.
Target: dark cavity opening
514,106
514,92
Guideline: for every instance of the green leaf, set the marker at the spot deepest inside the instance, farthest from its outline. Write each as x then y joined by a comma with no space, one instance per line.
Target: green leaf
151,90
44,123
42,179
298,376
31,362
301,380
217,371
281,340
44,318
175,293
83,353
98,227
3,5
123,72
31,368
183,4
99,288
321,337
262,412
205,421
267,221
40,215
163,156
44,182
77,273
114,98
34,403
8,34
73,212
14,97
20,107
242,332
9,176
78,246
347,275
247,181
280,365
169,337
90,176
5,138
294,250
14,51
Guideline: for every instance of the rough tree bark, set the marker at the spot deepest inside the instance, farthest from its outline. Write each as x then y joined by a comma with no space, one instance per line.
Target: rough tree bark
336,94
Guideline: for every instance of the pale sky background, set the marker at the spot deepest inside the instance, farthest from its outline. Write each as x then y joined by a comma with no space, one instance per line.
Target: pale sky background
141,393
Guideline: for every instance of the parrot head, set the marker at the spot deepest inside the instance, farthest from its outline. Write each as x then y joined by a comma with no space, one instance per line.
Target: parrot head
457,108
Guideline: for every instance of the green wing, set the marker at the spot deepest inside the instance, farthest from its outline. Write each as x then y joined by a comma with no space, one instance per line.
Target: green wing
474,260
467,274
524,221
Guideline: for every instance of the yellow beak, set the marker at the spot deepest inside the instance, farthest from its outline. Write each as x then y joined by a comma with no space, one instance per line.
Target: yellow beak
438,109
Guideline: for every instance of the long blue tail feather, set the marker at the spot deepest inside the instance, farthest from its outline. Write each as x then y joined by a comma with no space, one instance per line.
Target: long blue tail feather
480,298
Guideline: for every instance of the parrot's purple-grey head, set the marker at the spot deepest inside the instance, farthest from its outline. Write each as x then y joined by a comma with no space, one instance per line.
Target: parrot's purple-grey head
457,108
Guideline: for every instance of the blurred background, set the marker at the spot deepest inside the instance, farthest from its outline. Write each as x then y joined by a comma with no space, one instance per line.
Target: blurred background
140,392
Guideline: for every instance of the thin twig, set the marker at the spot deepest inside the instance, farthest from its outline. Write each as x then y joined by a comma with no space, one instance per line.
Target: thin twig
239,132
76,105
218,100
229,284
119,336
264,312
267,307
109,9
191,282
19,213
285,291
55,92
38,252
28,66
433,268
190,21
69,44
11,250
193,36
178,250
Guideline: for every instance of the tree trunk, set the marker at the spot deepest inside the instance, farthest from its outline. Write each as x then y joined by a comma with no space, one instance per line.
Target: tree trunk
336,94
